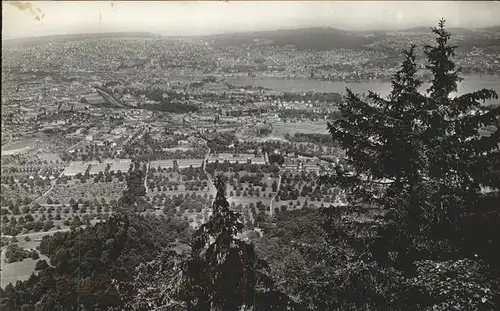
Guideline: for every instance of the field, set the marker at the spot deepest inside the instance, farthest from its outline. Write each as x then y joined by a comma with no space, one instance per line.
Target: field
30,189
77,167
190,186
49,157
245,198
19,145
87,191
280,128
18,271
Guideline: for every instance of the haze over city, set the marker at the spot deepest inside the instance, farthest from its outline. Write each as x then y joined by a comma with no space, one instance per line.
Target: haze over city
195,18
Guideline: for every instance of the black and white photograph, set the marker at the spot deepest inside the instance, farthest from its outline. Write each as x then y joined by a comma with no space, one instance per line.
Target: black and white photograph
250,156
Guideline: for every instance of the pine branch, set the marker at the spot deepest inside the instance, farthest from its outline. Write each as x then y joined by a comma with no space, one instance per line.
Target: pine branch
464,102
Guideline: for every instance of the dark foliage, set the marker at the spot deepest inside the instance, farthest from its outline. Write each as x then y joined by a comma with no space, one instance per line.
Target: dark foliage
88,263
329,266
168,104
223,272
420,158
41,265
14,253
276,159
135,190
420,155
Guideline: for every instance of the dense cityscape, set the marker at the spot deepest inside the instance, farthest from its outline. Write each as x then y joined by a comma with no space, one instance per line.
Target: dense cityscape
101,130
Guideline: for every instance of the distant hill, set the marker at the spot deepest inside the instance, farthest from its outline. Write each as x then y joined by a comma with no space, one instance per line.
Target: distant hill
317,38
314,38
325,38
75,37
494,29
457,30
465,38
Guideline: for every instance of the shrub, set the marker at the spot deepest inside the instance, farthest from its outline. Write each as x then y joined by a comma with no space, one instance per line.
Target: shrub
34,255
14,253
41,265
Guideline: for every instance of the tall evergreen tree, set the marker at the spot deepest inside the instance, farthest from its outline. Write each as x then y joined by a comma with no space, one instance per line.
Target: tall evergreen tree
453,123
420,154
223,272
380,138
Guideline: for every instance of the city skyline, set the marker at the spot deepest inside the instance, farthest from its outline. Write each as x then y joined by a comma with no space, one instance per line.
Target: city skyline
178,18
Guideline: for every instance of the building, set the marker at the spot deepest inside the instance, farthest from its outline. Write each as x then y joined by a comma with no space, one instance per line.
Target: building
185,163
311,167
258,160
291,165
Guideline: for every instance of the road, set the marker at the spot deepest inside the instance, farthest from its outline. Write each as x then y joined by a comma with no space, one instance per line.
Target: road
41,234
51,187
210,182
73,146
146,178
109,98
135,136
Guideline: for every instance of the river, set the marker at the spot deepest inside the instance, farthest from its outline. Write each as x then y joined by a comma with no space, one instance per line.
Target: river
469,84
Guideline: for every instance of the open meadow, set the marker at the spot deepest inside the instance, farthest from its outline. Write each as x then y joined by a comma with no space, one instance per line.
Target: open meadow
280,128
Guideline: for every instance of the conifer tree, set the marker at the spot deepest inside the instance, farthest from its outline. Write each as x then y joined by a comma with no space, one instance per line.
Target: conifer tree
453,123
223,272
420,154
380,139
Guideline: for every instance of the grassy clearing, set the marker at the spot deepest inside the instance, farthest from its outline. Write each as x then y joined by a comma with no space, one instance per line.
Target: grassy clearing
18,271
280,128
19,144
247,200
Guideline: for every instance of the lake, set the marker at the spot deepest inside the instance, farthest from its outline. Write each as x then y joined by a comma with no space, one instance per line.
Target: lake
470,83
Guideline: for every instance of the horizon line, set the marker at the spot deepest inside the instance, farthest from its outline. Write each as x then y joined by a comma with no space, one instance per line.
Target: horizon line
156,33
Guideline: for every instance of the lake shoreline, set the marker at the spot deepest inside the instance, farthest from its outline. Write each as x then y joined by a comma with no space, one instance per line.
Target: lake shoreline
470,83
377,80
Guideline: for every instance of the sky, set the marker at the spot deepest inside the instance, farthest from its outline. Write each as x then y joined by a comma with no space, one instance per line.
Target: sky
38,18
